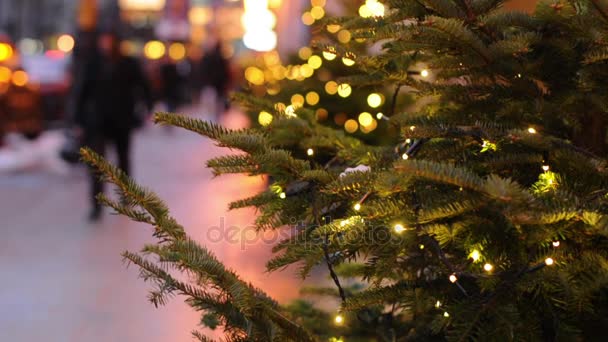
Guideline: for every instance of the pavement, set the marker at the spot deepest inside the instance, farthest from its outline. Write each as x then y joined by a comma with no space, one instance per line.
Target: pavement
62,278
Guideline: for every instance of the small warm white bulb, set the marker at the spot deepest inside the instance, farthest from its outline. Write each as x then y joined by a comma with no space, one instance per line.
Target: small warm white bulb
555,243
424,73
531,130
343,223
399,228
379,116
408,140
453,278
339,319
282,195
310,152
438,304
488,267
549,261
357,206
545,168
446,314
405,156
475,255
412,128
421,246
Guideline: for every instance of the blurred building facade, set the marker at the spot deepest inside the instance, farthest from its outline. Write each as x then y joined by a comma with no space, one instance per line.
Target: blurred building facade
36,18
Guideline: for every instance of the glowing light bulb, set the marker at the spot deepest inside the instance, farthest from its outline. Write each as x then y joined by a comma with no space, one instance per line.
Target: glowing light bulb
475,255
438,304
531,130
446,314
374,100
65,43
453,278
408,140
488,267
379,116
343,223
555,243
421,246
347,61
330,56
339,319
282,195
545,168
412,128
424,73
265,118
310,152
399,228
344,90
549,261
357,206
405,156
290,111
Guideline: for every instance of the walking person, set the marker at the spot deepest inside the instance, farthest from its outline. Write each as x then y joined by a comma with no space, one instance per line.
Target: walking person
216,76
108,88
170,84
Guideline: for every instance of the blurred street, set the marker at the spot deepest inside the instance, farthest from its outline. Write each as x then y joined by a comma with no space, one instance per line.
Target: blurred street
62,278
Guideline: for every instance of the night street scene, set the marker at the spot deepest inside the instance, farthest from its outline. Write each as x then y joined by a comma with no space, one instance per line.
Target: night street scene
303,170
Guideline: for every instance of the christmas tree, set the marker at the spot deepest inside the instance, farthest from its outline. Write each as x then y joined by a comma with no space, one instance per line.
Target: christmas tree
483,217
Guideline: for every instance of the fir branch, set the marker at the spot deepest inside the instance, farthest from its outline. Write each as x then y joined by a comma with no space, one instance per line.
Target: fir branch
204,128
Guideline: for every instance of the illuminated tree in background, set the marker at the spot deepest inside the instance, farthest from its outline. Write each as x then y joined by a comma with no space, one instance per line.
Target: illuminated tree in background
483,216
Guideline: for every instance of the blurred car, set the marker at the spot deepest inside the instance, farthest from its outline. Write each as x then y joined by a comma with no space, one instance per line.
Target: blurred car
33,89
50,73
19,97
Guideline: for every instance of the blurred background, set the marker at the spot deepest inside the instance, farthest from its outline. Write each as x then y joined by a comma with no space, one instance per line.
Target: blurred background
67,67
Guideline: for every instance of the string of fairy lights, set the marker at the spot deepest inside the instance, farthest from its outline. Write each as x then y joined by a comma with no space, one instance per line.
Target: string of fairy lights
475,256
370,8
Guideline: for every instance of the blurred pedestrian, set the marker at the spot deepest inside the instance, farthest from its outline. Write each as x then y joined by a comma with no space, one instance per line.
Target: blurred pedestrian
216,76
107,93
171,83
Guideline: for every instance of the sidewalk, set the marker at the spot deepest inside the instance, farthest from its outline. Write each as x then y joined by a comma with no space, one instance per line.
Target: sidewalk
62,279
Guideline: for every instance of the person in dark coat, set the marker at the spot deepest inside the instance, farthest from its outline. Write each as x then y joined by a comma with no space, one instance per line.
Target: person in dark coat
215,74
107,92
170,84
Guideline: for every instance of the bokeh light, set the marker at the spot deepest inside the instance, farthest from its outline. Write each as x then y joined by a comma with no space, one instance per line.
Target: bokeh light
333,28
317,12
331,87
344,90
6,52
20,78
177,51
369,128
254,75
5,74
321,114
65,43
344,36
304,53
154,49
351,126
315,62
347,61
307,19
265,118
297,100
312,98
366,119
374,100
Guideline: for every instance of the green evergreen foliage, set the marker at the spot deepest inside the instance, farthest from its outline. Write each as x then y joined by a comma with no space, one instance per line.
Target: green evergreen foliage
485,216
